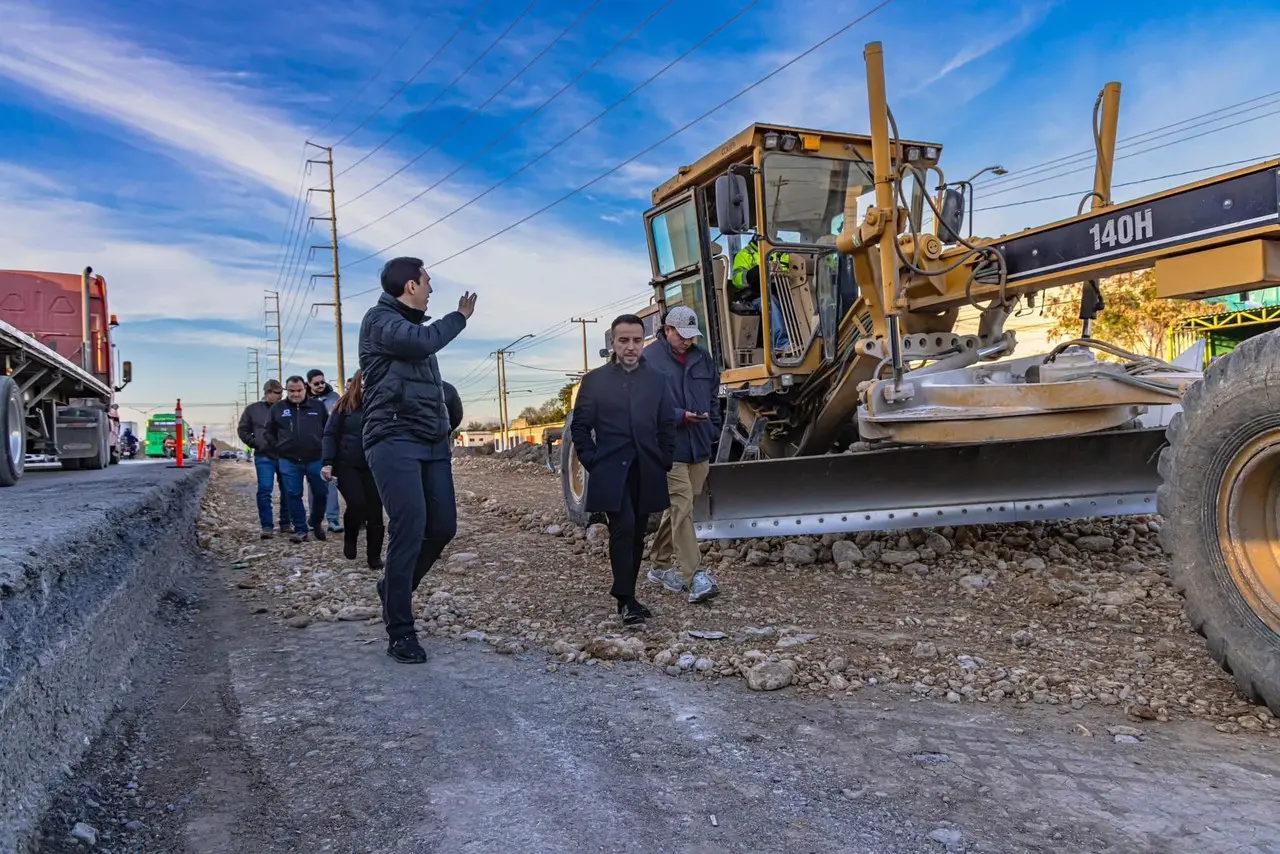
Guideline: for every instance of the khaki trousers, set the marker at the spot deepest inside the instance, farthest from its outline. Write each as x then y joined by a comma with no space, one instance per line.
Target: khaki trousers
676,544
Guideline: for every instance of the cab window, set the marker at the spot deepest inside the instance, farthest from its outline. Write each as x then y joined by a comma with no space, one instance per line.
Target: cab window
675,239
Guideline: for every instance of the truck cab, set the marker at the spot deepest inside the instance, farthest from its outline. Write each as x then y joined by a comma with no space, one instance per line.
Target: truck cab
59,350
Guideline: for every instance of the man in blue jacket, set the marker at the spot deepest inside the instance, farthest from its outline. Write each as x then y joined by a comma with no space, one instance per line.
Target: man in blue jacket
694,380
406,438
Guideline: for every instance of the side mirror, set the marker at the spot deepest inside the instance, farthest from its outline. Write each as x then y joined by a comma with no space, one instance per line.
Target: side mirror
731,204
126,372
952,216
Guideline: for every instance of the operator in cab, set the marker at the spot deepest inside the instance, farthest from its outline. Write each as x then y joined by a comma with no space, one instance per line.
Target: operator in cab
746,287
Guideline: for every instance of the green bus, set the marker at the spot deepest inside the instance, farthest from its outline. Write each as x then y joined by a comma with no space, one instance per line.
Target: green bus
159,428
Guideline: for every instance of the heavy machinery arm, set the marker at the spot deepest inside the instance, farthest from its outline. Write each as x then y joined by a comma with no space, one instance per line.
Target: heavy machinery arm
950,429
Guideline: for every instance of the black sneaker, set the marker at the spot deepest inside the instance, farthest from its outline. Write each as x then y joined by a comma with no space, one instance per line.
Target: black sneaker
349,548
407,650
639,606
267,533
376,562
632,615
320,534
298,538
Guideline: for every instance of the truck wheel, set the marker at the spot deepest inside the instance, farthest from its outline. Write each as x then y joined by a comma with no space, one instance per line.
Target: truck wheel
1220,499
13,420
102,458
573,479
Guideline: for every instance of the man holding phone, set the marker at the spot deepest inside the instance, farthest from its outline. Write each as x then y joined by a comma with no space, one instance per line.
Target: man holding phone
694,380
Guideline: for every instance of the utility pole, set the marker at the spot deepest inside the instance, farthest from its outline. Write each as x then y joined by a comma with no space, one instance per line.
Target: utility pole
244,391
257,368
584,321
340,380
273,326
502,397
502,384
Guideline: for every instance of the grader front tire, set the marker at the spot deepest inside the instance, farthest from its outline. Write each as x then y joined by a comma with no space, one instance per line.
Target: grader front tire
1220,499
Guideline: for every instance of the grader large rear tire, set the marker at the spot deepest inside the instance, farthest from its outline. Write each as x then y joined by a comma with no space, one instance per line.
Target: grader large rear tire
1220,499
573,479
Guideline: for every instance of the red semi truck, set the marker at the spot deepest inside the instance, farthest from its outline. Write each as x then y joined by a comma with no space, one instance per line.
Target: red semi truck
57,371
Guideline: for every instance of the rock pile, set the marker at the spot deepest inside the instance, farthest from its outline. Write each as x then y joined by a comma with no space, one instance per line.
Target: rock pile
1060,614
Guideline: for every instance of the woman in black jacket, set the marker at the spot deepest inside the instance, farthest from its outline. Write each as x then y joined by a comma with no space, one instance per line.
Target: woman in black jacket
343,457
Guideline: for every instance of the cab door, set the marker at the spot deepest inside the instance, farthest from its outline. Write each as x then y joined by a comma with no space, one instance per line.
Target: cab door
679,258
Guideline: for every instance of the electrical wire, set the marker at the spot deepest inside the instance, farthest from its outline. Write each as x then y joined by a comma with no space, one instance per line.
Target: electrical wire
375,76
417,114
430,59
662,71
1003,190
1132,139
1249,160
639,154
476,111
535,112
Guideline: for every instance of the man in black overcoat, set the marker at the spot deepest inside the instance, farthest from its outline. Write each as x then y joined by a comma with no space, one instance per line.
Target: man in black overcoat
624,431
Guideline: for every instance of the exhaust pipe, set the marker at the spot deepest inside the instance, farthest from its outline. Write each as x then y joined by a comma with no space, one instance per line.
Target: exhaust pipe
86,334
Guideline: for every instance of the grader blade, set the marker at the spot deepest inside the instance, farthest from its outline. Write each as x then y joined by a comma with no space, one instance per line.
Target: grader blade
1082,476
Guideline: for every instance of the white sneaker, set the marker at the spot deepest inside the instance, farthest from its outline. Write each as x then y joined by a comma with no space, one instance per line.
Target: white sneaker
703,587
668,578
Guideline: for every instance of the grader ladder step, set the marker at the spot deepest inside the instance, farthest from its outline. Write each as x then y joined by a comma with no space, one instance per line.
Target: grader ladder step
1085,476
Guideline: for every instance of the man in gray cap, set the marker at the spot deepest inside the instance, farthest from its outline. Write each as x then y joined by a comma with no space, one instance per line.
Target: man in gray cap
694,380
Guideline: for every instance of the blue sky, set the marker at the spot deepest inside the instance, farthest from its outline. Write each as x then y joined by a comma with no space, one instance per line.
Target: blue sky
162,145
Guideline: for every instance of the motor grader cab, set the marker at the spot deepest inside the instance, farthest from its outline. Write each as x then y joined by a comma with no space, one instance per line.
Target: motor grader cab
851,403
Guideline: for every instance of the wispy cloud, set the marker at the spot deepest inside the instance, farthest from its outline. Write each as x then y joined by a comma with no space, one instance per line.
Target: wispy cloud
526,279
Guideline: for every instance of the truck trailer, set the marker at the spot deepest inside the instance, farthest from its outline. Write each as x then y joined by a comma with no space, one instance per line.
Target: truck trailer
57,371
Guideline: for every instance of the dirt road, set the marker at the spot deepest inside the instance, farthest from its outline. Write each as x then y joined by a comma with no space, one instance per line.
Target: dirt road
248,734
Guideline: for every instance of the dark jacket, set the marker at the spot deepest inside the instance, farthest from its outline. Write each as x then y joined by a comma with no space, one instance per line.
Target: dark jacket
343,443
696,388
329,397
295,431
632,416
403,392
453,404
252,429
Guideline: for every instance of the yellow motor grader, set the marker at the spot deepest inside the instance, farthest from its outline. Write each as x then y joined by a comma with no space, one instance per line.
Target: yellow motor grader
851,402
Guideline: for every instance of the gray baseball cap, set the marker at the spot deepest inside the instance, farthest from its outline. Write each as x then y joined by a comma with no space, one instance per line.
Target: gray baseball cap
683,320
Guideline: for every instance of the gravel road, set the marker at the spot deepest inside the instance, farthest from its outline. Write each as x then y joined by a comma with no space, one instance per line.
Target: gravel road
248,735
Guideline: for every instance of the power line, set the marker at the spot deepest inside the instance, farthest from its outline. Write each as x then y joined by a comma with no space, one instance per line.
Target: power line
420,113
660,142
1132,154
511,130
375,76
1080,193
1088,159
746,8
562,371
1014,175
432,58
582,17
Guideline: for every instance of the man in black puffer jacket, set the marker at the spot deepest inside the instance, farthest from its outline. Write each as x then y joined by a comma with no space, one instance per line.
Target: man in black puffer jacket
406,437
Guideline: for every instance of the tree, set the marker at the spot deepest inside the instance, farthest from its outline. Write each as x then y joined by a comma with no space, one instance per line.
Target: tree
474,426
1133,317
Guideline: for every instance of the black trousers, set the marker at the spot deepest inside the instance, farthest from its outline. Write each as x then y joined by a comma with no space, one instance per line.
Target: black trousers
364,507
627,528
416,485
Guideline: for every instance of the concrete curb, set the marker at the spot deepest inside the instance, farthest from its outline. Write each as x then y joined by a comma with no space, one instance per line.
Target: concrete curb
78,595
